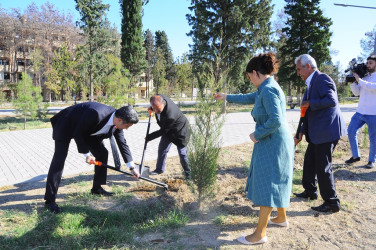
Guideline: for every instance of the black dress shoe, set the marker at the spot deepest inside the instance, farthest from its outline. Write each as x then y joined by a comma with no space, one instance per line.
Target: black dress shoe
306,196
327,207
352,160
53,207
370,165
155,172
101,191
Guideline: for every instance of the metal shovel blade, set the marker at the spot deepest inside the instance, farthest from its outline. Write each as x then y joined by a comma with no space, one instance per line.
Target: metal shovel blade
145,171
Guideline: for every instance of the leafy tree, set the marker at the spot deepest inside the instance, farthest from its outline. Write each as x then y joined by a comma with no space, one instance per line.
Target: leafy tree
37,61
28,101
132,51
226,34
115,83
368,43
52,84
92,13
149,44
63,64
184,74
307,32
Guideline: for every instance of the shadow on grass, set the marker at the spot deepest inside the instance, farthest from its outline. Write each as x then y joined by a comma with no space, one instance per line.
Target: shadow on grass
19,198
82,226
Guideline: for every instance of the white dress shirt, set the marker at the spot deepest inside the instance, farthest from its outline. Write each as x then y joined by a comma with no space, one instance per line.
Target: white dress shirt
308,81
366,90
105,130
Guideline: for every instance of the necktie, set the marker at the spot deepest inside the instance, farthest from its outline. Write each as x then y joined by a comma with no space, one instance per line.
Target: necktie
110,131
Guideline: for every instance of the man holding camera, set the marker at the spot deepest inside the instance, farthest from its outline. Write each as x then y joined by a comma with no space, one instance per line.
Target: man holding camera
365,88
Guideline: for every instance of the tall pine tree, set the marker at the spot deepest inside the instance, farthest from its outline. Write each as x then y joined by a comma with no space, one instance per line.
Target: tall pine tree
161,42
307,32
92,13
132,50
150,57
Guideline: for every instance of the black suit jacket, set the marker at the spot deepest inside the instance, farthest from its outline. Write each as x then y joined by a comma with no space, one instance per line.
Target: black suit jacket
79,121
173,124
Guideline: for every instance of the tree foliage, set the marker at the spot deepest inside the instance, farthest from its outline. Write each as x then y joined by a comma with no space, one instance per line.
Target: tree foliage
306,32
184,75
159,72
149,45
226,34
132,50
368,43
28,101
63,64
92,19
161,42
204,146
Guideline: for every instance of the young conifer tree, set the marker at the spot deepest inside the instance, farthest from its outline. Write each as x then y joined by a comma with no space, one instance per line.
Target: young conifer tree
205,143
29,99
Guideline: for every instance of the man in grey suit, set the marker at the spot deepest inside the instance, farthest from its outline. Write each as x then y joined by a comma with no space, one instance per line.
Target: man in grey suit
88,124
323,126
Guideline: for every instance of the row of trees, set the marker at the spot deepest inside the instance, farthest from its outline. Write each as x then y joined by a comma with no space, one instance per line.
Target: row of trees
92,58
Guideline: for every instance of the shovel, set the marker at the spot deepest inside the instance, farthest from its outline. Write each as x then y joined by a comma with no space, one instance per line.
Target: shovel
144,170
98,163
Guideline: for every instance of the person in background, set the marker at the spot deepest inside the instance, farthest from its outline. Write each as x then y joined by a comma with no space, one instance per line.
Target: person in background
88,124
174,129
365,114
270,176
323,126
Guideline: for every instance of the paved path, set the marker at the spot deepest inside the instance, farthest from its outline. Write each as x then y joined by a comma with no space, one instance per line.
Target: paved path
26,155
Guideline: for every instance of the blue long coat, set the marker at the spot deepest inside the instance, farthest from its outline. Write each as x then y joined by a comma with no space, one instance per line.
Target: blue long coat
270,176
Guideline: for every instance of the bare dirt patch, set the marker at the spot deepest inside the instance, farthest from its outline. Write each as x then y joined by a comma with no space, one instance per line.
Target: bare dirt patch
230,214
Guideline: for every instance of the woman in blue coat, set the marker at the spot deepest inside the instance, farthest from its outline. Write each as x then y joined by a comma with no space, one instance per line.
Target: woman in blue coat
270,176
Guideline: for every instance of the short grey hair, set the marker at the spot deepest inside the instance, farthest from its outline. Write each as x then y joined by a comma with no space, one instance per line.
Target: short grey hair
306,59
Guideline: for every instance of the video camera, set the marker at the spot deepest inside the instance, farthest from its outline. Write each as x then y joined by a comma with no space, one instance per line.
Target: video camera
359,68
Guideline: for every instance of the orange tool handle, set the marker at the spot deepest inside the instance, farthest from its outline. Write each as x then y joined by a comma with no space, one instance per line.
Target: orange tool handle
97,163
303,110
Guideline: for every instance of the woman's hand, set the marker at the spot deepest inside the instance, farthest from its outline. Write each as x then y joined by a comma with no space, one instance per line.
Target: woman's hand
220,96
252,136
297,140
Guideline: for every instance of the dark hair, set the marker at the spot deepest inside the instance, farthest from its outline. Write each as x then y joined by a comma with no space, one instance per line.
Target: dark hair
127,114
372,57
265,64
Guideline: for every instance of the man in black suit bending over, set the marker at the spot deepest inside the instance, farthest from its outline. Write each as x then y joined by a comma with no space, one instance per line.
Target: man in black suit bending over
173,129
88,124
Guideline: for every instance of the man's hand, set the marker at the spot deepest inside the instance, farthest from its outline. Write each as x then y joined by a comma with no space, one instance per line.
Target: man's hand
297,140
220,96
135,173
90,159
150,110
305,104
252,136
356,77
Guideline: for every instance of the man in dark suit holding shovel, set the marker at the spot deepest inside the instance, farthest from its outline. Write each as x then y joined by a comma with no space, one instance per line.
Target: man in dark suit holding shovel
174,128
88,124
